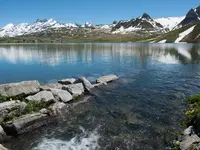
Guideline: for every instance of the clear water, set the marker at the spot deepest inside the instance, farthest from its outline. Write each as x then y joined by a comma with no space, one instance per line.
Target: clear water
142,110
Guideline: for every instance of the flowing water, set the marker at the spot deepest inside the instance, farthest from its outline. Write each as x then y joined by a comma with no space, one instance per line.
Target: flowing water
141,111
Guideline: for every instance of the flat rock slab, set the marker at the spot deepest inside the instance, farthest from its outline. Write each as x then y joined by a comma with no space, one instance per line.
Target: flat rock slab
18,89
67,81
47,87
62,95
46,96
75,89
25,123
108,78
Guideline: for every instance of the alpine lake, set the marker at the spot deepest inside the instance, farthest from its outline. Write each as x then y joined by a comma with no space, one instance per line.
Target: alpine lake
142,110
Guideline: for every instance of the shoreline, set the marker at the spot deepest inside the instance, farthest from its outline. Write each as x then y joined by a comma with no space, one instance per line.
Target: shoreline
26,106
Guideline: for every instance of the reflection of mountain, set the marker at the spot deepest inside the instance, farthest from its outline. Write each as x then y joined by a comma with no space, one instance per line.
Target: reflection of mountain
87,53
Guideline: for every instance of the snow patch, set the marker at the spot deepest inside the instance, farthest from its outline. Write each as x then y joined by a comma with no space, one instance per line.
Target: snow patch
163,41
185,33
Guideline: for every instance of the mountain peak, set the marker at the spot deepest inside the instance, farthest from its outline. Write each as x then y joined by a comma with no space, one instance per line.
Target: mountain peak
146,16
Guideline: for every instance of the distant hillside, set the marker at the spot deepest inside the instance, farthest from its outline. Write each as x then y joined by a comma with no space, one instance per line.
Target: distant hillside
189,34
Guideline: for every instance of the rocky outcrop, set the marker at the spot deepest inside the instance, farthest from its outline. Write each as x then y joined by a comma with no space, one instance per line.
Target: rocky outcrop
192,16
38,103
191,140
19,89
108,78
62,95
138,24
25,123
75,89
67,81
46,96
10,109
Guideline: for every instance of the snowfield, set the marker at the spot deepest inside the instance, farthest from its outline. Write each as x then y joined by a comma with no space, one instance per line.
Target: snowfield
185,33
169,22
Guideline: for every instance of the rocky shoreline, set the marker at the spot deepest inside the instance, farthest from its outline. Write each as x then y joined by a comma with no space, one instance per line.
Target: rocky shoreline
190,139
27,105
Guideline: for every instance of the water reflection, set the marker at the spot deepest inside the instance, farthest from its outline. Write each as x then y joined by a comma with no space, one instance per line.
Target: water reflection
50,62
54,55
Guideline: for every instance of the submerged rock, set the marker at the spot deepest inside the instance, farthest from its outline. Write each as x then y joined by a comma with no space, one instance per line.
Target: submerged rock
100,84
46,96
56,108
25,123
62,95
10,109
67,81
108,78
86,83
18,89
75,89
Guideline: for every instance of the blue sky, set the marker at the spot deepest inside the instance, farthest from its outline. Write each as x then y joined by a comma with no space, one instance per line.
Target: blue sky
94,11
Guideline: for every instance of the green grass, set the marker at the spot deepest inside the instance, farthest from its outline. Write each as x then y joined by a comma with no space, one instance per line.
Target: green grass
35,106
193,114
173,35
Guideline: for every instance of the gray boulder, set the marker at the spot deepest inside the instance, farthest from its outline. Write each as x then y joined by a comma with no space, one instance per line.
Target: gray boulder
25,123
2,147
18,89
2,134
191,140
62,95
46,96
86,83
47,87
67,81
56,108
108,78
75,89
11,108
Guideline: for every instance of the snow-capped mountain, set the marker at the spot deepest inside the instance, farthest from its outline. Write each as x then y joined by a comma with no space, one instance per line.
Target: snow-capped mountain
145,22
169,22
192,16
12,30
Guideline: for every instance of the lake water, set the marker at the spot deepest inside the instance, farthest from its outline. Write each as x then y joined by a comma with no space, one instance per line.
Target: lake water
141,111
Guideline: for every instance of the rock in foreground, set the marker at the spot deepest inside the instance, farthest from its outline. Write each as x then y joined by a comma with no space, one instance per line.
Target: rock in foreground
46,96
67,81
62,95
108,78
18,89
25,123
2,147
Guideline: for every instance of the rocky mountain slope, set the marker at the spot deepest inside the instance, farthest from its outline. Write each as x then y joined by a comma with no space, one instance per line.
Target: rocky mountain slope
144,28
192,16
144,23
